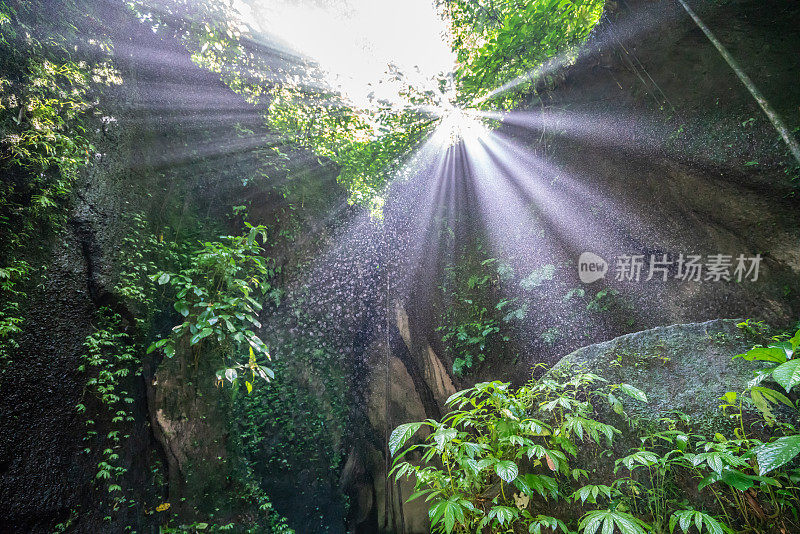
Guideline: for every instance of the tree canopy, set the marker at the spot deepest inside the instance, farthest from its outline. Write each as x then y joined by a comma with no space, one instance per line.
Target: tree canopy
495,42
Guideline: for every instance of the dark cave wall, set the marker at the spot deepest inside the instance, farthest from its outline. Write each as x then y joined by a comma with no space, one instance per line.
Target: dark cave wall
691,155
46,475
161,157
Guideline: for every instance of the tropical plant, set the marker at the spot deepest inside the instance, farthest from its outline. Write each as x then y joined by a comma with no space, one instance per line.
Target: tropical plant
497,441
611,520
109,358
474,321
215,296
500,448
782,367
45,93
10,296
686,519
367,142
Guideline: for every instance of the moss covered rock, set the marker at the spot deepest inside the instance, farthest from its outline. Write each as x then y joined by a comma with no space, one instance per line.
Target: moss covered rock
685,368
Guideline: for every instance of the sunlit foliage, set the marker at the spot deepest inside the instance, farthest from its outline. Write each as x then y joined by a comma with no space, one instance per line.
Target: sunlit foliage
215,296
499,40
45,91
495,42
367,145
49,82
543,439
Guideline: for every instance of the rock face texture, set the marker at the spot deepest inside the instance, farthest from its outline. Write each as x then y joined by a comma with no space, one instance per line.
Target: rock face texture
684,368
190,422
662,139
407,382
651,127
46,477
654,143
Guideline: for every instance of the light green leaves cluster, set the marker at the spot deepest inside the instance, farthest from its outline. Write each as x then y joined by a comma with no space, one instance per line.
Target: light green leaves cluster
449,512
591,492
215,296
608,520
475,466
497,42
368,143
499,440
686,519
783,367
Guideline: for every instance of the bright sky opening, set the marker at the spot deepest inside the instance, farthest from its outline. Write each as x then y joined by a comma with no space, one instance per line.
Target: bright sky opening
356,40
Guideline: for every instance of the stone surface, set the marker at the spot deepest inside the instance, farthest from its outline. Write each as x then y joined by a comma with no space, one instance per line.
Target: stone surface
434,371
190,422
685,367
391,513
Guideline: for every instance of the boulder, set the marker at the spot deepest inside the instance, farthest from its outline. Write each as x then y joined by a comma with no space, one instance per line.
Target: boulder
683,367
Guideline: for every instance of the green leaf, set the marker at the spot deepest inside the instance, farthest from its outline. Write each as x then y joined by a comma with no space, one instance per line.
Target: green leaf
449,518
401,435
633,392
436,511
787,374
266,373
737,479
157,345
503,514
616,405
204,333
181,307
507,470
444,435
531,484
777,453
547,522
645,458
231,374
163,279
418,494
764,354
795,341
685,519
774,396
452,398
626,523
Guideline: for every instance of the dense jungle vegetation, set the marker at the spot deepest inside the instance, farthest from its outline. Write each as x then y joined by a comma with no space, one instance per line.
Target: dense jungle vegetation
202,313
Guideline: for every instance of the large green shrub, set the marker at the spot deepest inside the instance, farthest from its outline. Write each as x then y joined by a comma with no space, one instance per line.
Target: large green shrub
502,454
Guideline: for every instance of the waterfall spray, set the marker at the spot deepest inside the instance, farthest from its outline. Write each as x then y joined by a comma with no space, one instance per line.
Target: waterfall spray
773,116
